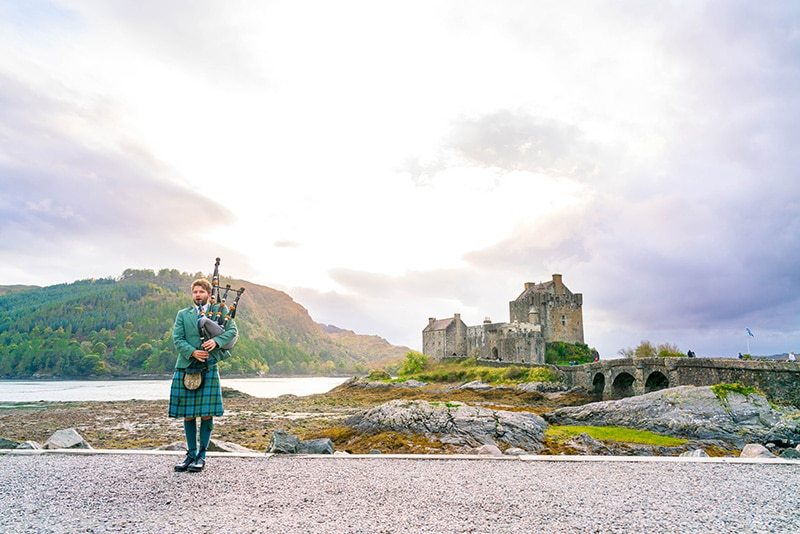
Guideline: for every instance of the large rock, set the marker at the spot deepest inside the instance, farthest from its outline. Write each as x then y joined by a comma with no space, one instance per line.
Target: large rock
695,453
315,446
792,454
454,423
6,443
585,444
476,385
33,445
692,412
541,387
489,449
754,450
66,438
285,443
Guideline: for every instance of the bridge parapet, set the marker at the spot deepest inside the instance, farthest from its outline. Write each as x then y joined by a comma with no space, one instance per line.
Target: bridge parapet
626,376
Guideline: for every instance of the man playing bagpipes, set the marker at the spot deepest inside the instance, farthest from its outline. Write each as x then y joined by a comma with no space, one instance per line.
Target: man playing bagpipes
203,335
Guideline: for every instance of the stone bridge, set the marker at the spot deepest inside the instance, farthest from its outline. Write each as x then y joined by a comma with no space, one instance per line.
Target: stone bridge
614,379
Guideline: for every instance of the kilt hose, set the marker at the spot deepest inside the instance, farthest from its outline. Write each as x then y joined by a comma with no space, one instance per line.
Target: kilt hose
201,402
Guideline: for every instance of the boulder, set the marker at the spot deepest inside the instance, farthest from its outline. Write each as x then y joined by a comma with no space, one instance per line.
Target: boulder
754,450
476,385
412,384
454,423
541,387
378,374
29,445
6,443
283,443
374,451
791,454
489,449
66,438
695,453
217,445
515,451
315,446
583,443
692,412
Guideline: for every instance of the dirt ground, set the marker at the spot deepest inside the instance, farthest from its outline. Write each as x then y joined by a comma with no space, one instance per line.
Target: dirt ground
250,421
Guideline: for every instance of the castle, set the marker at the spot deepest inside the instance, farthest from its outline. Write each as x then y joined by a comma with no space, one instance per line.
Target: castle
542,313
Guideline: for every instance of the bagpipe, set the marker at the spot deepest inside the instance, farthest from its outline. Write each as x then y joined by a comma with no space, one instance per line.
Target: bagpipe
213,323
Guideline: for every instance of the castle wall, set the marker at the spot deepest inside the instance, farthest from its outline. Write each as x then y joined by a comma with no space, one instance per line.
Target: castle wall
554,307
446,342
434,343
504,342
563,320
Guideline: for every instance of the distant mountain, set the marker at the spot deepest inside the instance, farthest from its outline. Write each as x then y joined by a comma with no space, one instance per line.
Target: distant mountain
122,327
10,289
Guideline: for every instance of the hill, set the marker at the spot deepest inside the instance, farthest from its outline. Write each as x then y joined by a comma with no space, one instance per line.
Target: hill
122,327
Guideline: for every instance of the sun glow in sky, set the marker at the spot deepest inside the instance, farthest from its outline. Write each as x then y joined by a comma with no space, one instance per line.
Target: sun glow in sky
387,162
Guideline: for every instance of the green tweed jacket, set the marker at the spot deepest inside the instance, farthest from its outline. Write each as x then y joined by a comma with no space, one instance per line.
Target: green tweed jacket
186,338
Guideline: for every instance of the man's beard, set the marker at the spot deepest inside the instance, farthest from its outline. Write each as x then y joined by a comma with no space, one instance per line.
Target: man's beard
200,302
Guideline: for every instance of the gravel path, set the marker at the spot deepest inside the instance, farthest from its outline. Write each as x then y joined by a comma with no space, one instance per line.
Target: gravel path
137,493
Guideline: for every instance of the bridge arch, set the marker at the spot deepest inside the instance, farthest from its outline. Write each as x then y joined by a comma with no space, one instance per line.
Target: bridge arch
655,381
623,385
599,385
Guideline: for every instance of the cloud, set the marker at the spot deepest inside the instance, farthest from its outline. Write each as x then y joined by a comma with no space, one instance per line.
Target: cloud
520,141
510,140
109,205
688,242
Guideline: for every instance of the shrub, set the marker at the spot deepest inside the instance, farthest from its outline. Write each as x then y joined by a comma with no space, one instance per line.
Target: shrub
415,362
646,349
668,350
561,353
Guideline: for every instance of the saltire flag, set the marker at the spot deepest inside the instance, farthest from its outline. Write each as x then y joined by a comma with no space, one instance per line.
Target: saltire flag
749,332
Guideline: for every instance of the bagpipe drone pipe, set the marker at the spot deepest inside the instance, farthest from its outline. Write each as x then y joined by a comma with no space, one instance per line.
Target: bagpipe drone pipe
213,323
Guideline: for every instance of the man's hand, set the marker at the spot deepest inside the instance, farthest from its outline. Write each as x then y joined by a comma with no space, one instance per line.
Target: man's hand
200,355
209,345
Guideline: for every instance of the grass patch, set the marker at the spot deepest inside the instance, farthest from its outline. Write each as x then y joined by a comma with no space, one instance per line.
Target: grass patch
617,434
468,370
723,390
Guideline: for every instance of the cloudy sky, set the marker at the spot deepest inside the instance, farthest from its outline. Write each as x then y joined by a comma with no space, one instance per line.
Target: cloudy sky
385,162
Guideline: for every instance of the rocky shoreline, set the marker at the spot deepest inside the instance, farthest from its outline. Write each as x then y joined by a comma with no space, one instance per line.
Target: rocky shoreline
363,416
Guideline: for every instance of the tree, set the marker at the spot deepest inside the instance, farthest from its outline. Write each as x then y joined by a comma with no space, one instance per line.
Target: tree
415,362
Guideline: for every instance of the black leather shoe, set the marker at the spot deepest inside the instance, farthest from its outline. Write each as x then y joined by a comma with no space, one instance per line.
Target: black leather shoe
197,465
184,465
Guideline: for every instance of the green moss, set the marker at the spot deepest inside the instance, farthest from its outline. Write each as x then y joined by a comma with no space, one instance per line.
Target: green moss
613,433
722,390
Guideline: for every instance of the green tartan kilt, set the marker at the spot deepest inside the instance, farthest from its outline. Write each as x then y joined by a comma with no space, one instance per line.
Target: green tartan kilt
203,401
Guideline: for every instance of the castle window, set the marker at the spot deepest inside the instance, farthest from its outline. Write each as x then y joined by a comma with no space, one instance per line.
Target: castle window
563,320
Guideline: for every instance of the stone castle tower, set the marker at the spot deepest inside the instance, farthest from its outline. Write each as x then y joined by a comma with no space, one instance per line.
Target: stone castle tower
542,313
557,309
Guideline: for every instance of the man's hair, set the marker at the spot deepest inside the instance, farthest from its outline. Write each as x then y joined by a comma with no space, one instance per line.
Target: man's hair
202,282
